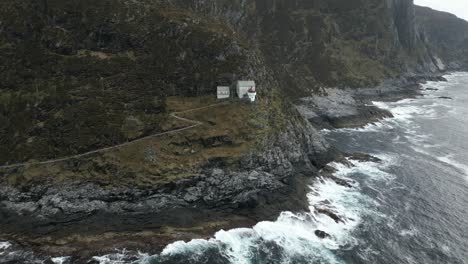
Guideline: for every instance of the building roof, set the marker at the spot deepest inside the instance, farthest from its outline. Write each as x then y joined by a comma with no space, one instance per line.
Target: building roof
246,83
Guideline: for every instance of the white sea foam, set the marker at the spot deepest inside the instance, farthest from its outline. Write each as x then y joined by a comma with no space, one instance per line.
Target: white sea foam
373,127
399,110
342,201
122,257
293,233
4,245
420,150
446,248
409,232
368,253
440,86
60,260
403,112
449,159
368,168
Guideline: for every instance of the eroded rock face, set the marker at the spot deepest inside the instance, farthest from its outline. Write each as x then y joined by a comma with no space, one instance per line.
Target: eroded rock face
445,34
403,13
272,169
271,179
183,47
299,38
95,59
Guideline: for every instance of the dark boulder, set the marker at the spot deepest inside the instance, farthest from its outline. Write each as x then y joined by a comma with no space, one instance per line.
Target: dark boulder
330,214
364,157
321,234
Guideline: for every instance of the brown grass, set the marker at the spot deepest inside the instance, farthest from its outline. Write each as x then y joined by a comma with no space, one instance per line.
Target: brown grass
228,132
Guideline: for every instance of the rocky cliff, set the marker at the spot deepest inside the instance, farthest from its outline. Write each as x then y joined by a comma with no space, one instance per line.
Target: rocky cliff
84,75
444,35
314,43
118,60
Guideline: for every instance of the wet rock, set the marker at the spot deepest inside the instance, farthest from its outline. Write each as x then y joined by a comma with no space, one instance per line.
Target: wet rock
193,194
269,171
271,179
328,171
21,208
321,234
364,157
341,182
330,214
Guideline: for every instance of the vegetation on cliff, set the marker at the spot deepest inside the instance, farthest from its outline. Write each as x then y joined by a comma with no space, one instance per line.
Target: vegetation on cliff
81,75
444,33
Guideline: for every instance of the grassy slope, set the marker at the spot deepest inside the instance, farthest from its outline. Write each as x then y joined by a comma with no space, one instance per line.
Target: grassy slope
229,131
80,75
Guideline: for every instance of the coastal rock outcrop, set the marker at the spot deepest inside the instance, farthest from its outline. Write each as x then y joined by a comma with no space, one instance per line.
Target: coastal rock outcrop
84,75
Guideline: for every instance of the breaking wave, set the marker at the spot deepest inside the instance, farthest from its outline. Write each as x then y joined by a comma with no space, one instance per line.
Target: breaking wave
335,210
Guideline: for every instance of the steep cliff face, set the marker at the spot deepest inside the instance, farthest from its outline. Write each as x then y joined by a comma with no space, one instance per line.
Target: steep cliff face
444,35
313,43
403,19
115,61
81,75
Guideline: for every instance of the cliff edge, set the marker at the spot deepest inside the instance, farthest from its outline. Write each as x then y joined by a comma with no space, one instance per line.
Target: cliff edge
80,76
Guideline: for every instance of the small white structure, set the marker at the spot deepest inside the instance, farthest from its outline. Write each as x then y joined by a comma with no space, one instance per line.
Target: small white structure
252,95
223,92
246,89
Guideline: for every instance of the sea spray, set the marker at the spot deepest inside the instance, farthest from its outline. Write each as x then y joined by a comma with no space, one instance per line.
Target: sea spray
369,228
292,238
4,245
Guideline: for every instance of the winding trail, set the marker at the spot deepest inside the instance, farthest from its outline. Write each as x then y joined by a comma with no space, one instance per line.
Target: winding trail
195,123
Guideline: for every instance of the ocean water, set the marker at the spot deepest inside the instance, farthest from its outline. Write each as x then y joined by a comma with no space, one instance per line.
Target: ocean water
410,208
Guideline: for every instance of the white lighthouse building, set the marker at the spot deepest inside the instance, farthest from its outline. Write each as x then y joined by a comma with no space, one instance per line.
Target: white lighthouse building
246,89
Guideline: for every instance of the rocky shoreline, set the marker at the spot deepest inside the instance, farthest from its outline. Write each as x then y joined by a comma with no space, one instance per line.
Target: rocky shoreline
353,108
72,219
79,77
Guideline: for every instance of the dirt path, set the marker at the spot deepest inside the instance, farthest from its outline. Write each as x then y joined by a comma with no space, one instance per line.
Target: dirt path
101,150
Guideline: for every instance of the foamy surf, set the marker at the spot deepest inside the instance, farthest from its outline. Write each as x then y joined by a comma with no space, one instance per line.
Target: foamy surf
376,200
121,257
4,245
449,159
372,171
403,112
292,237
60,260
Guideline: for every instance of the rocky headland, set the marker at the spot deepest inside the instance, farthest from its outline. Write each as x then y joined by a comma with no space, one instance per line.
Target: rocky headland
84,75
